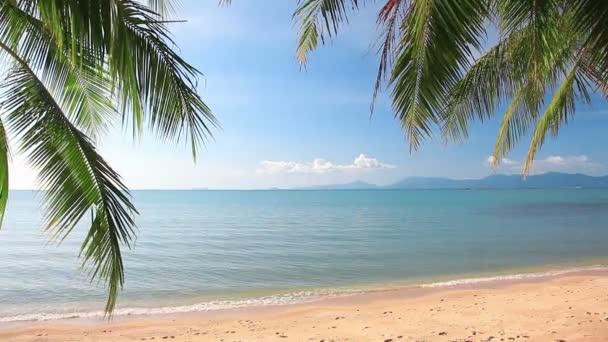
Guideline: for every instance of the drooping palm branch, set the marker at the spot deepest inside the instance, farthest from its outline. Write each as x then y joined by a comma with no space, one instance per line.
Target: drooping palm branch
76,68
320,19
428,49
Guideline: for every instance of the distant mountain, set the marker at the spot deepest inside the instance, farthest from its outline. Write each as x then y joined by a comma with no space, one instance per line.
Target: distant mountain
546,180
358,185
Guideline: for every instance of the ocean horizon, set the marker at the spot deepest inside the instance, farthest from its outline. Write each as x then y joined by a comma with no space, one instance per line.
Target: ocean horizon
207,250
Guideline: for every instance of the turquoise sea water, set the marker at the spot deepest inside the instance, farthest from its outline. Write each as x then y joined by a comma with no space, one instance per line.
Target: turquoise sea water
200,250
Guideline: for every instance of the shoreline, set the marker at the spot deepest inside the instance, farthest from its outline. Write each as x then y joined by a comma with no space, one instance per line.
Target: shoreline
318,296
516,302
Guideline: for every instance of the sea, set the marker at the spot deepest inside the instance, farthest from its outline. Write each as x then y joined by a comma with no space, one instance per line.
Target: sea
212,250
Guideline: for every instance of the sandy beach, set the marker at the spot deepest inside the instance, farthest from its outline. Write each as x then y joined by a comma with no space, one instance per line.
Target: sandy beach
565,308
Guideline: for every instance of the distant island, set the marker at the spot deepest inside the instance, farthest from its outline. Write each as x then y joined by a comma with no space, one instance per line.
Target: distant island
541,181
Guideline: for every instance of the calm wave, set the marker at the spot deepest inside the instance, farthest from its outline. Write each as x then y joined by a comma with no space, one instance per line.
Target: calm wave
206,250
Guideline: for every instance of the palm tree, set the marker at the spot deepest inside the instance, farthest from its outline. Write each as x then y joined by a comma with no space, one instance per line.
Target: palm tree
551,55
73,68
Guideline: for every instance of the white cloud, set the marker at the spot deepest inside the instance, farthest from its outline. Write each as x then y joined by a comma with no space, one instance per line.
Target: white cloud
559,160
364,162
505,161
553,163
319,165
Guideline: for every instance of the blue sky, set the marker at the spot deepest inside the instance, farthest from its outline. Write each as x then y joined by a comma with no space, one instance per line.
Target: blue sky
278,119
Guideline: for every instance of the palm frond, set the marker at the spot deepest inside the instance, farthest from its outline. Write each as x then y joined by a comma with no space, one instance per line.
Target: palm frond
543,21
389,19
561,107
156,79
547,65
516,120
164,8
74,176
74,23
517,14
591,18
593,71
4,173
478,92
78,61
437,39
153,84
318,20
511,70
82,87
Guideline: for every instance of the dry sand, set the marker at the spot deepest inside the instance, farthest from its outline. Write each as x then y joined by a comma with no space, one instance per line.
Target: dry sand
568,308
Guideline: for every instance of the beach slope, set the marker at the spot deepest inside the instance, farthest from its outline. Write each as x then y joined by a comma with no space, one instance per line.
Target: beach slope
568,308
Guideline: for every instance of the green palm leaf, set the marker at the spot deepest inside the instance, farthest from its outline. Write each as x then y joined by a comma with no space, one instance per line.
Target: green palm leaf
516,120
83,88
477,93
152,83
4,159
436,45
77,63
389,20
75,178
433,80
155,80
318,20
562,106
164,8
591,17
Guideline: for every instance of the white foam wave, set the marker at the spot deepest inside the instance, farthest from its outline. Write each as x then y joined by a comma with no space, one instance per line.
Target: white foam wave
278,300
286,299
519,276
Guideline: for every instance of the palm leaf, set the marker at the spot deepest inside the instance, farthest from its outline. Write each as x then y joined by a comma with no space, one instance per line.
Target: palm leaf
591,17
561,107
156,80
77,62
75,177
437,39
515,123
153,84
4,159
593,71
519,68
164,8
318,19
533,14
478,92
82,87
389,19
551,52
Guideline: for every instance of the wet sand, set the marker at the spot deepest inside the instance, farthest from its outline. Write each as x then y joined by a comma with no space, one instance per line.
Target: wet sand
565,308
